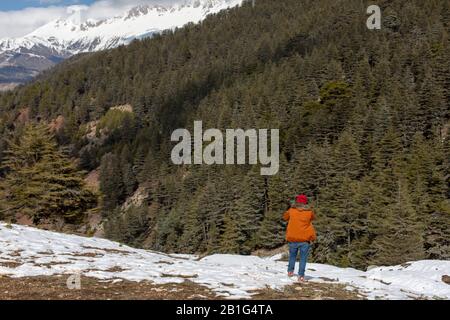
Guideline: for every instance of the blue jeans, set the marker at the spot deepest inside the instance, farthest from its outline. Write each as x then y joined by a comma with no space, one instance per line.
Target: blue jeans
294,248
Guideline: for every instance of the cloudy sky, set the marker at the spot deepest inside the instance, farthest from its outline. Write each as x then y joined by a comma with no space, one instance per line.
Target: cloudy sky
20,17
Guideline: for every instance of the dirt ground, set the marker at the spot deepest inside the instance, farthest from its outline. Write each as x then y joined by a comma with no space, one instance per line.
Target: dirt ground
55,288
309,291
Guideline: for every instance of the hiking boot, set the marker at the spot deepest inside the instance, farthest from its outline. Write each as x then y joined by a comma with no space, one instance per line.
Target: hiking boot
301,279
290,274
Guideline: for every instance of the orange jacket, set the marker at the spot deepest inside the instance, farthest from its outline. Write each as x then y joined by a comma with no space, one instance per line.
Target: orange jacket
300,228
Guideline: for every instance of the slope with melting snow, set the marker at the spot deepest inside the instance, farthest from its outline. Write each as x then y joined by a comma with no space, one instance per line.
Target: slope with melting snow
26,252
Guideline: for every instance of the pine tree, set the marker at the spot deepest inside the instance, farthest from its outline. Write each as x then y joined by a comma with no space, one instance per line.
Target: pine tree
192,227
135,225
213,240
128,174
429,179
272,230
41,181
433,107
231,237
358,251
338,199
169,231
344,218
401,238
347,160
388,162
248,209
111,183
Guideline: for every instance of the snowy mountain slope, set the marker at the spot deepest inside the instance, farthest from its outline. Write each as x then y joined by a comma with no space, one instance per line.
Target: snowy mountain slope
22,58
26,252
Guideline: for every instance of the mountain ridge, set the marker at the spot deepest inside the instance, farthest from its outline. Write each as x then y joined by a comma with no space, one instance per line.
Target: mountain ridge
21,59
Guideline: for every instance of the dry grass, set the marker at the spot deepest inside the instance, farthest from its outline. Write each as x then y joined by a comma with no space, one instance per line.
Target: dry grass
123,252
308,291
10,264
55,288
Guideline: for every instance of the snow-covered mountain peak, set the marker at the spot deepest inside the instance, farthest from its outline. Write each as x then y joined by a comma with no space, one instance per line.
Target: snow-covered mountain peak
64,37
144,9
137,21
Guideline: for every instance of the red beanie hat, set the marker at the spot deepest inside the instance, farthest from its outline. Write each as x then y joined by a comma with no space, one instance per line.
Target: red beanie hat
301,199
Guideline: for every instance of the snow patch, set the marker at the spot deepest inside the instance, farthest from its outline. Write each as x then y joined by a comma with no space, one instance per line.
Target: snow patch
26,251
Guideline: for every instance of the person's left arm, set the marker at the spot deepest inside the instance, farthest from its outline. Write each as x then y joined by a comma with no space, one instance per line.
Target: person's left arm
286,216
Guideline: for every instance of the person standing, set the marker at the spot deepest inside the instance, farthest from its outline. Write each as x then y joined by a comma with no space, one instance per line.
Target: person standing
299,234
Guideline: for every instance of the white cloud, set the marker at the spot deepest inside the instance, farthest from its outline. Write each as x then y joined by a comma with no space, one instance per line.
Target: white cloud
21,22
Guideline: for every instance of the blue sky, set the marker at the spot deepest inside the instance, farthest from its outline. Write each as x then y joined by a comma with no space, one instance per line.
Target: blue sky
7,5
